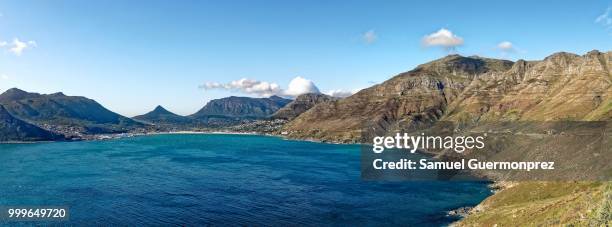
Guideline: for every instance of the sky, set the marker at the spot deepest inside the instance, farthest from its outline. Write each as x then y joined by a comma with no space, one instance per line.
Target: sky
134,55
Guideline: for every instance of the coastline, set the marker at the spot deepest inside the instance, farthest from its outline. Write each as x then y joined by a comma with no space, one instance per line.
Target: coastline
27,142
495,187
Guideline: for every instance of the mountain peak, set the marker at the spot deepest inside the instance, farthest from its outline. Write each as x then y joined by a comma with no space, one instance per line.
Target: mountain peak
16,94
276,97
158,111
160,108
561,55
15,90
453,56
162,117
597,54
455,63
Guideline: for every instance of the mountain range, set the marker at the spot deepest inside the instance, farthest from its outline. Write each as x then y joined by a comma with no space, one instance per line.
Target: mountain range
66,114
557,109
563,86
76,116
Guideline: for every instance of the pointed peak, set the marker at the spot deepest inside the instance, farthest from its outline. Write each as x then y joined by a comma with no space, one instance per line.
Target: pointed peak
159,108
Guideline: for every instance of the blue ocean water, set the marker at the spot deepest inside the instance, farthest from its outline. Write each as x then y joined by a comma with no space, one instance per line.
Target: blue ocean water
219,179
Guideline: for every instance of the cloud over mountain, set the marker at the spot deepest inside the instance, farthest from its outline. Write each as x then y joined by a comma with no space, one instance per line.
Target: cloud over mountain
443,38
297,86
340,93
248,86
505,46
300,85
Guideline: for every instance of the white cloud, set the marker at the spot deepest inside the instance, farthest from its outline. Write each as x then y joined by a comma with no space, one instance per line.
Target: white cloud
244,85
443,38
17,46
340,93
505,46
605,19
300,85
370,36
297,86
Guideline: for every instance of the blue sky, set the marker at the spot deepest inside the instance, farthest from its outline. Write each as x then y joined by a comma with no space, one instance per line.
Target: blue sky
133,55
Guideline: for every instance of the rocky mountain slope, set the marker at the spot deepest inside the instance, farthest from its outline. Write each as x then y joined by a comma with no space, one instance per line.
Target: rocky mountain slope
164,118
563,86
233,110
13,129
65,114
301,104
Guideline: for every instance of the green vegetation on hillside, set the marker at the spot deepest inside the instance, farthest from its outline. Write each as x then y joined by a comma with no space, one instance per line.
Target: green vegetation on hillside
546,204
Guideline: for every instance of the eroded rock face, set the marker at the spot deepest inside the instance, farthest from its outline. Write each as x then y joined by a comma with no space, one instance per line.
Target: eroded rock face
563,86
301,104
471,89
